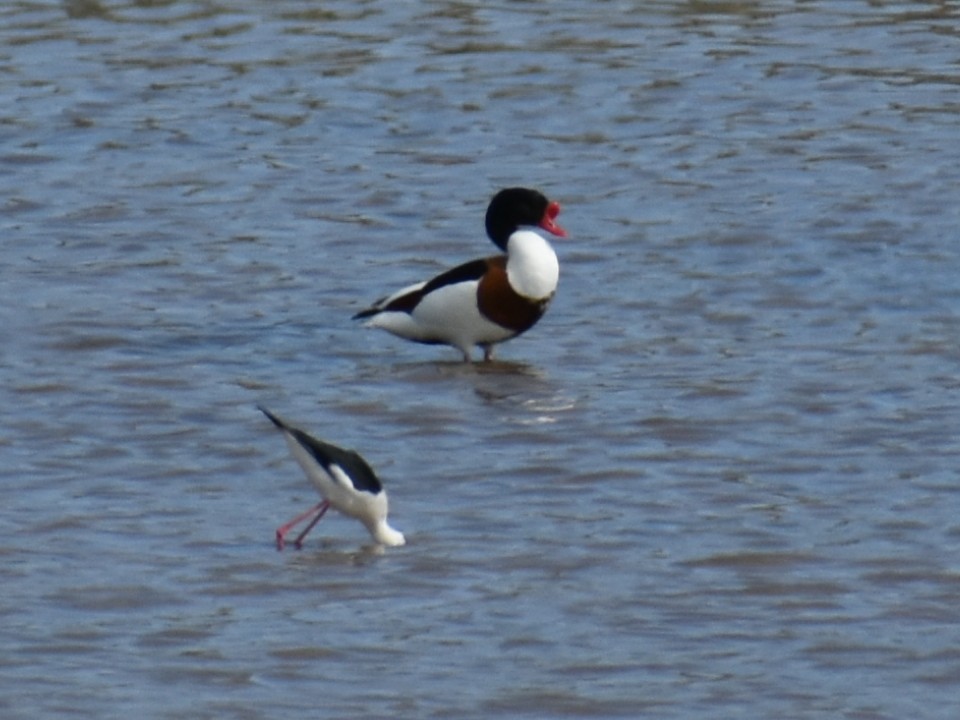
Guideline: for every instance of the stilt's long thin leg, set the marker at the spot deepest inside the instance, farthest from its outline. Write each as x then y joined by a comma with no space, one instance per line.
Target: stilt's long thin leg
320,508
298,543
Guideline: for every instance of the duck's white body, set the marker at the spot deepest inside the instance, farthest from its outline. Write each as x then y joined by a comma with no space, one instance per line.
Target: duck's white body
452,314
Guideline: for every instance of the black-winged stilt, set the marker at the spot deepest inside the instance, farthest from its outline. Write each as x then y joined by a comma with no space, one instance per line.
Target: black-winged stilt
344,480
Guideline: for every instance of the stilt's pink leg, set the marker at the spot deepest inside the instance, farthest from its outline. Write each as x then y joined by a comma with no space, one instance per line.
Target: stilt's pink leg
298,543
282,531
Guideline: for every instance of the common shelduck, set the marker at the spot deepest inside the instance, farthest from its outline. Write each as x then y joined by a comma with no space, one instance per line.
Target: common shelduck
344,480
489,300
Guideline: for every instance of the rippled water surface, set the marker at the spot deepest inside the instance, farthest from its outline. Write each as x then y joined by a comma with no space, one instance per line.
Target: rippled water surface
718,480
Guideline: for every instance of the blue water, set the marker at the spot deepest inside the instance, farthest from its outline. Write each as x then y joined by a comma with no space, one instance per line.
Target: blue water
718,480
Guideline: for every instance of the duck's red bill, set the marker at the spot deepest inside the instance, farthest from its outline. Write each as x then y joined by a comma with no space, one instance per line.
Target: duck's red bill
548,222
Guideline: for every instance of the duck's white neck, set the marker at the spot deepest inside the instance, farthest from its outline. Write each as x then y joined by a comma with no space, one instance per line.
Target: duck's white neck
532,266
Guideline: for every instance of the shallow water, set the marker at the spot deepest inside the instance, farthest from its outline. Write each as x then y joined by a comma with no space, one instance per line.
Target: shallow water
719,479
